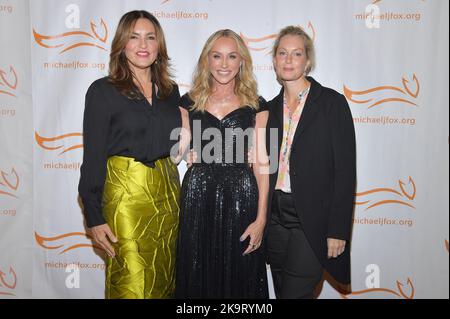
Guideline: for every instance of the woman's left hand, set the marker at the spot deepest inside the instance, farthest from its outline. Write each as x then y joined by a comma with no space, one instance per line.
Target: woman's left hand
335,247
255,230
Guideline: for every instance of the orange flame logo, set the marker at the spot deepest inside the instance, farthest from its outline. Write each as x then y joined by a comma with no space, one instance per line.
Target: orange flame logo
401,193
41,140
446,244
9,182
61,242
405,91
67,42
268,47
10,84
400,293
8,281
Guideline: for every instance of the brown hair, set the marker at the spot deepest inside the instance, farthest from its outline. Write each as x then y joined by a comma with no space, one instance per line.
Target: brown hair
120,73
309,44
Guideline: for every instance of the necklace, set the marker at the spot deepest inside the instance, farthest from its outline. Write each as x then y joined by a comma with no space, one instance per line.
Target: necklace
300,97
303,93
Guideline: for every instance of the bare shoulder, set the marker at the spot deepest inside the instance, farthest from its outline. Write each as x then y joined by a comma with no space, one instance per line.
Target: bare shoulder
261,118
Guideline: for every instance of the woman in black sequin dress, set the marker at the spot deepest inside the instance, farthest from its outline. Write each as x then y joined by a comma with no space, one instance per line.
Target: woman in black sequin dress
223,198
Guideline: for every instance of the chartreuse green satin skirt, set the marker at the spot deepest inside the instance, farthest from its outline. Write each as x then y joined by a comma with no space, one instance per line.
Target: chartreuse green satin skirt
141,206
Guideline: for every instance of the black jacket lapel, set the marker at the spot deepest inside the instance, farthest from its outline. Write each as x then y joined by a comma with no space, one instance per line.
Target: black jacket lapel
309,110
278,116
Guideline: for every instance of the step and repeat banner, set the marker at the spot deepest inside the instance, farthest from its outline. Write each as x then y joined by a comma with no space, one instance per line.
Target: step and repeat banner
390,58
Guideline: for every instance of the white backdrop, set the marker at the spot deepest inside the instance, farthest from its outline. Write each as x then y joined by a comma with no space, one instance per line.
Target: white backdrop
392,66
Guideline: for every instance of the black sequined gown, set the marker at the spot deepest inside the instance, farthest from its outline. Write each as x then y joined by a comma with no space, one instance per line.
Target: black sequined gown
218,202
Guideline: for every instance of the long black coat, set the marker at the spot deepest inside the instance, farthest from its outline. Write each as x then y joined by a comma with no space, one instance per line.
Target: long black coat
322,171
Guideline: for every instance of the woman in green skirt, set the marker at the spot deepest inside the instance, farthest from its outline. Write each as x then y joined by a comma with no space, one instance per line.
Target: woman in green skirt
129,184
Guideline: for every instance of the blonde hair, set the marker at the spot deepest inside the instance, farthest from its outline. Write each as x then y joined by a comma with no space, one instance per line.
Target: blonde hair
246,87
120,73
309,45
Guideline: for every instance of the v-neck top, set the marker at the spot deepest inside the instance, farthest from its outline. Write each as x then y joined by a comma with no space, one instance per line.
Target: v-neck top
233,137
117,125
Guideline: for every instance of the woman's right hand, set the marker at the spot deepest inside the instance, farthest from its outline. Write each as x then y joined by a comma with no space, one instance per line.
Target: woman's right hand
251,158
191,158
103,236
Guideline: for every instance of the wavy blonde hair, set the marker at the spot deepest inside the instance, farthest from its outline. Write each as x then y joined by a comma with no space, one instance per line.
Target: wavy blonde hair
120,73
245,88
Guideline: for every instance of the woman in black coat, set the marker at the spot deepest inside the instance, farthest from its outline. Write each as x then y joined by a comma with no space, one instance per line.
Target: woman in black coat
312,143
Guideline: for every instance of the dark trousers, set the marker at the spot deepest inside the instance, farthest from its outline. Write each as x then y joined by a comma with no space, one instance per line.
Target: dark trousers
295,268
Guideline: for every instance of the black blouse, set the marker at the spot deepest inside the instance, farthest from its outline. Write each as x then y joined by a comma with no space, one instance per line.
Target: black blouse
116,125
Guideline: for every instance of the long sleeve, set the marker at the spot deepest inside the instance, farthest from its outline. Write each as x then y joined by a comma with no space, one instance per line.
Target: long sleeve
96,124
344,156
